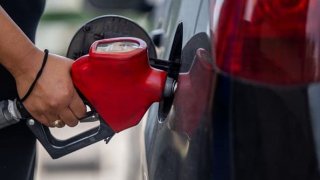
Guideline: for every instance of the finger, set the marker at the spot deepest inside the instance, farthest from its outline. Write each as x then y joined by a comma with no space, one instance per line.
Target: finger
68,117
77,106
38,116
44,120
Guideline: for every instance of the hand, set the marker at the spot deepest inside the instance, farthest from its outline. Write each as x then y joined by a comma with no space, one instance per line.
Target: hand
54,96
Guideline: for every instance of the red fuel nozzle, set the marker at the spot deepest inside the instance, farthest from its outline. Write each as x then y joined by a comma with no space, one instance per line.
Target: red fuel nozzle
118,81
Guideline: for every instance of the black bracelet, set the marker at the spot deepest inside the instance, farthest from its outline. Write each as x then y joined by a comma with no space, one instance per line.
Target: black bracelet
44,61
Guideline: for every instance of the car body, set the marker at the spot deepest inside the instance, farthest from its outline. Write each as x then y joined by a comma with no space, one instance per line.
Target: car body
180,146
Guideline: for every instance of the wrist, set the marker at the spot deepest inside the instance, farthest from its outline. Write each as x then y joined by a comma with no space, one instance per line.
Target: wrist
27,65
45,58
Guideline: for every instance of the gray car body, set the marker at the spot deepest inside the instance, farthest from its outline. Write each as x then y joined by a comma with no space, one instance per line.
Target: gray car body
174,152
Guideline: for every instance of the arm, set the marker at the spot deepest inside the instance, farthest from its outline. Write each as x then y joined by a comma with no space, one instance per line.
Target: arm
53,96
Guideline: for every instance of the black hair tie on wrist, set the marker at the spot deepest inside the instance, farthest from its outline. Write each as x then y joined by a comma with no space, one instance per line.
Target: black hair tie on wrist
44,61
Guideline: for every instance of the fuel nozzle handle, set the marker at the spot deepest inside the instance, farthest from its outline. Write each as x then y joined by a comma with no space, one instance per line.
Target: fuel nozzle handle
11,112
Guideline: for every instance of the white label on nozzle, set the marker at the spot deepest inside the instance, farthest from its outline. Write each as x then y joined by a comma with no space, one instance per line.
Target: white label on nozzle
115,47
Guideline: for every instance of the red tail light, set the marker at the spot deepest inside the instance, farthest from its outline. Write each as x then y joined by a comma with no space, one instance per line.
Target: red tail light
269,41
